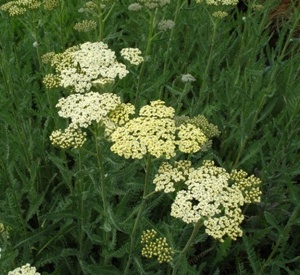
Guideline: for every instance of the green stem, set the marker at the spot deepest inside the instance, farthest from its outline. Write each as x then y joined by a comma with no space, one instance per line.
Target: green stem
179,5
147,52
81,221
102,190
189,243
139,214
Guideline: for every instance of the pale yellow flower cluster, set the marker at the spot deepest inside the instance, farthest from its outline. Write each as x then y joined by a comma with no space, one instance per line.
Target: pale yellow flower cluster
200,121
220,14
69,138
209,194
19,7
85,26
80,66
153,4
133,55
24,270
156,247
248,185
154,132
168,175
222,2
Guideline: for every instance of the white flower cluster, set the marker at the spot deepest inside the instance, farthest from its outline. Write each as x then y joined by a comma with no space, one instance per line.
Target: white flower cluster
83,109
165,25
91,62
24,270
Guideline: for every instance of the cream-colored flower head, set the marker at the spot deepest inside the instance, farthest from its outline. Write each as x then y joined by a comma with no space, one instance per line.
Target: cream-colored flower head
156,247
249,186
69,138
134,7
85,26
187,78
153,4
19,7
200,121
166,25
83,109
154,132
220,14
211,197
222,2
24,270
169,175
133,55
81,66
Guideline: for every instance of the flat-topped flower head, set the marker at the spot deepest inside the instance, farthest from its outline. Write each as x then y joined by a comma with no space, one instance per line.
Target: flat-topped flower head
249,186
85,26
156,247
19,7
154,132
24,270
83,109
133,55
169,175
150,133
211,197
81,66
153,4
69,138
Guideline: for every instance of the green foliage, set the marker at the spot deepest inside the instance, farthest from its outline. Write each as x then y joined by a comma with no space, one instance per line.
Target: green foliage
82,211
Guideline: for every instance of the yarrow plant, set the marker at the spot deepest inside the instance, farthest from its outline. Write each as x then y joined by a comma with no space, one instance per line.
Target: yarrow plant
210,195
19,7
80,66
154,132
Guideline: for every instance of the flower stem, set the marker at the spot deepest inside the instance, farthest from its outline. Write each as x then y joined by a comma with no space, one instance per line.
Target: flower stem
102,190
147,52
182,254
139,214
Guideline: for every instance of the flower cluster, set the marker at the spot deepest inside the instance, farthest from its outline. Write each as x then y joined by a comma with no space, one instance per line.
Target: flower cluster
166,25
210,194
220,2
81,66
153,4
168,175
133,55
24,270
155,247
154,132
84,109
85,26
187,78
70,137
19,7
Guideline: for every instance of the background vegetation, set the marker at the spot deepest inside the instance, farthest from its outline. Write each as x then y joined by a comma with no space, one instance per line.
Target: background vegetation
50,201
